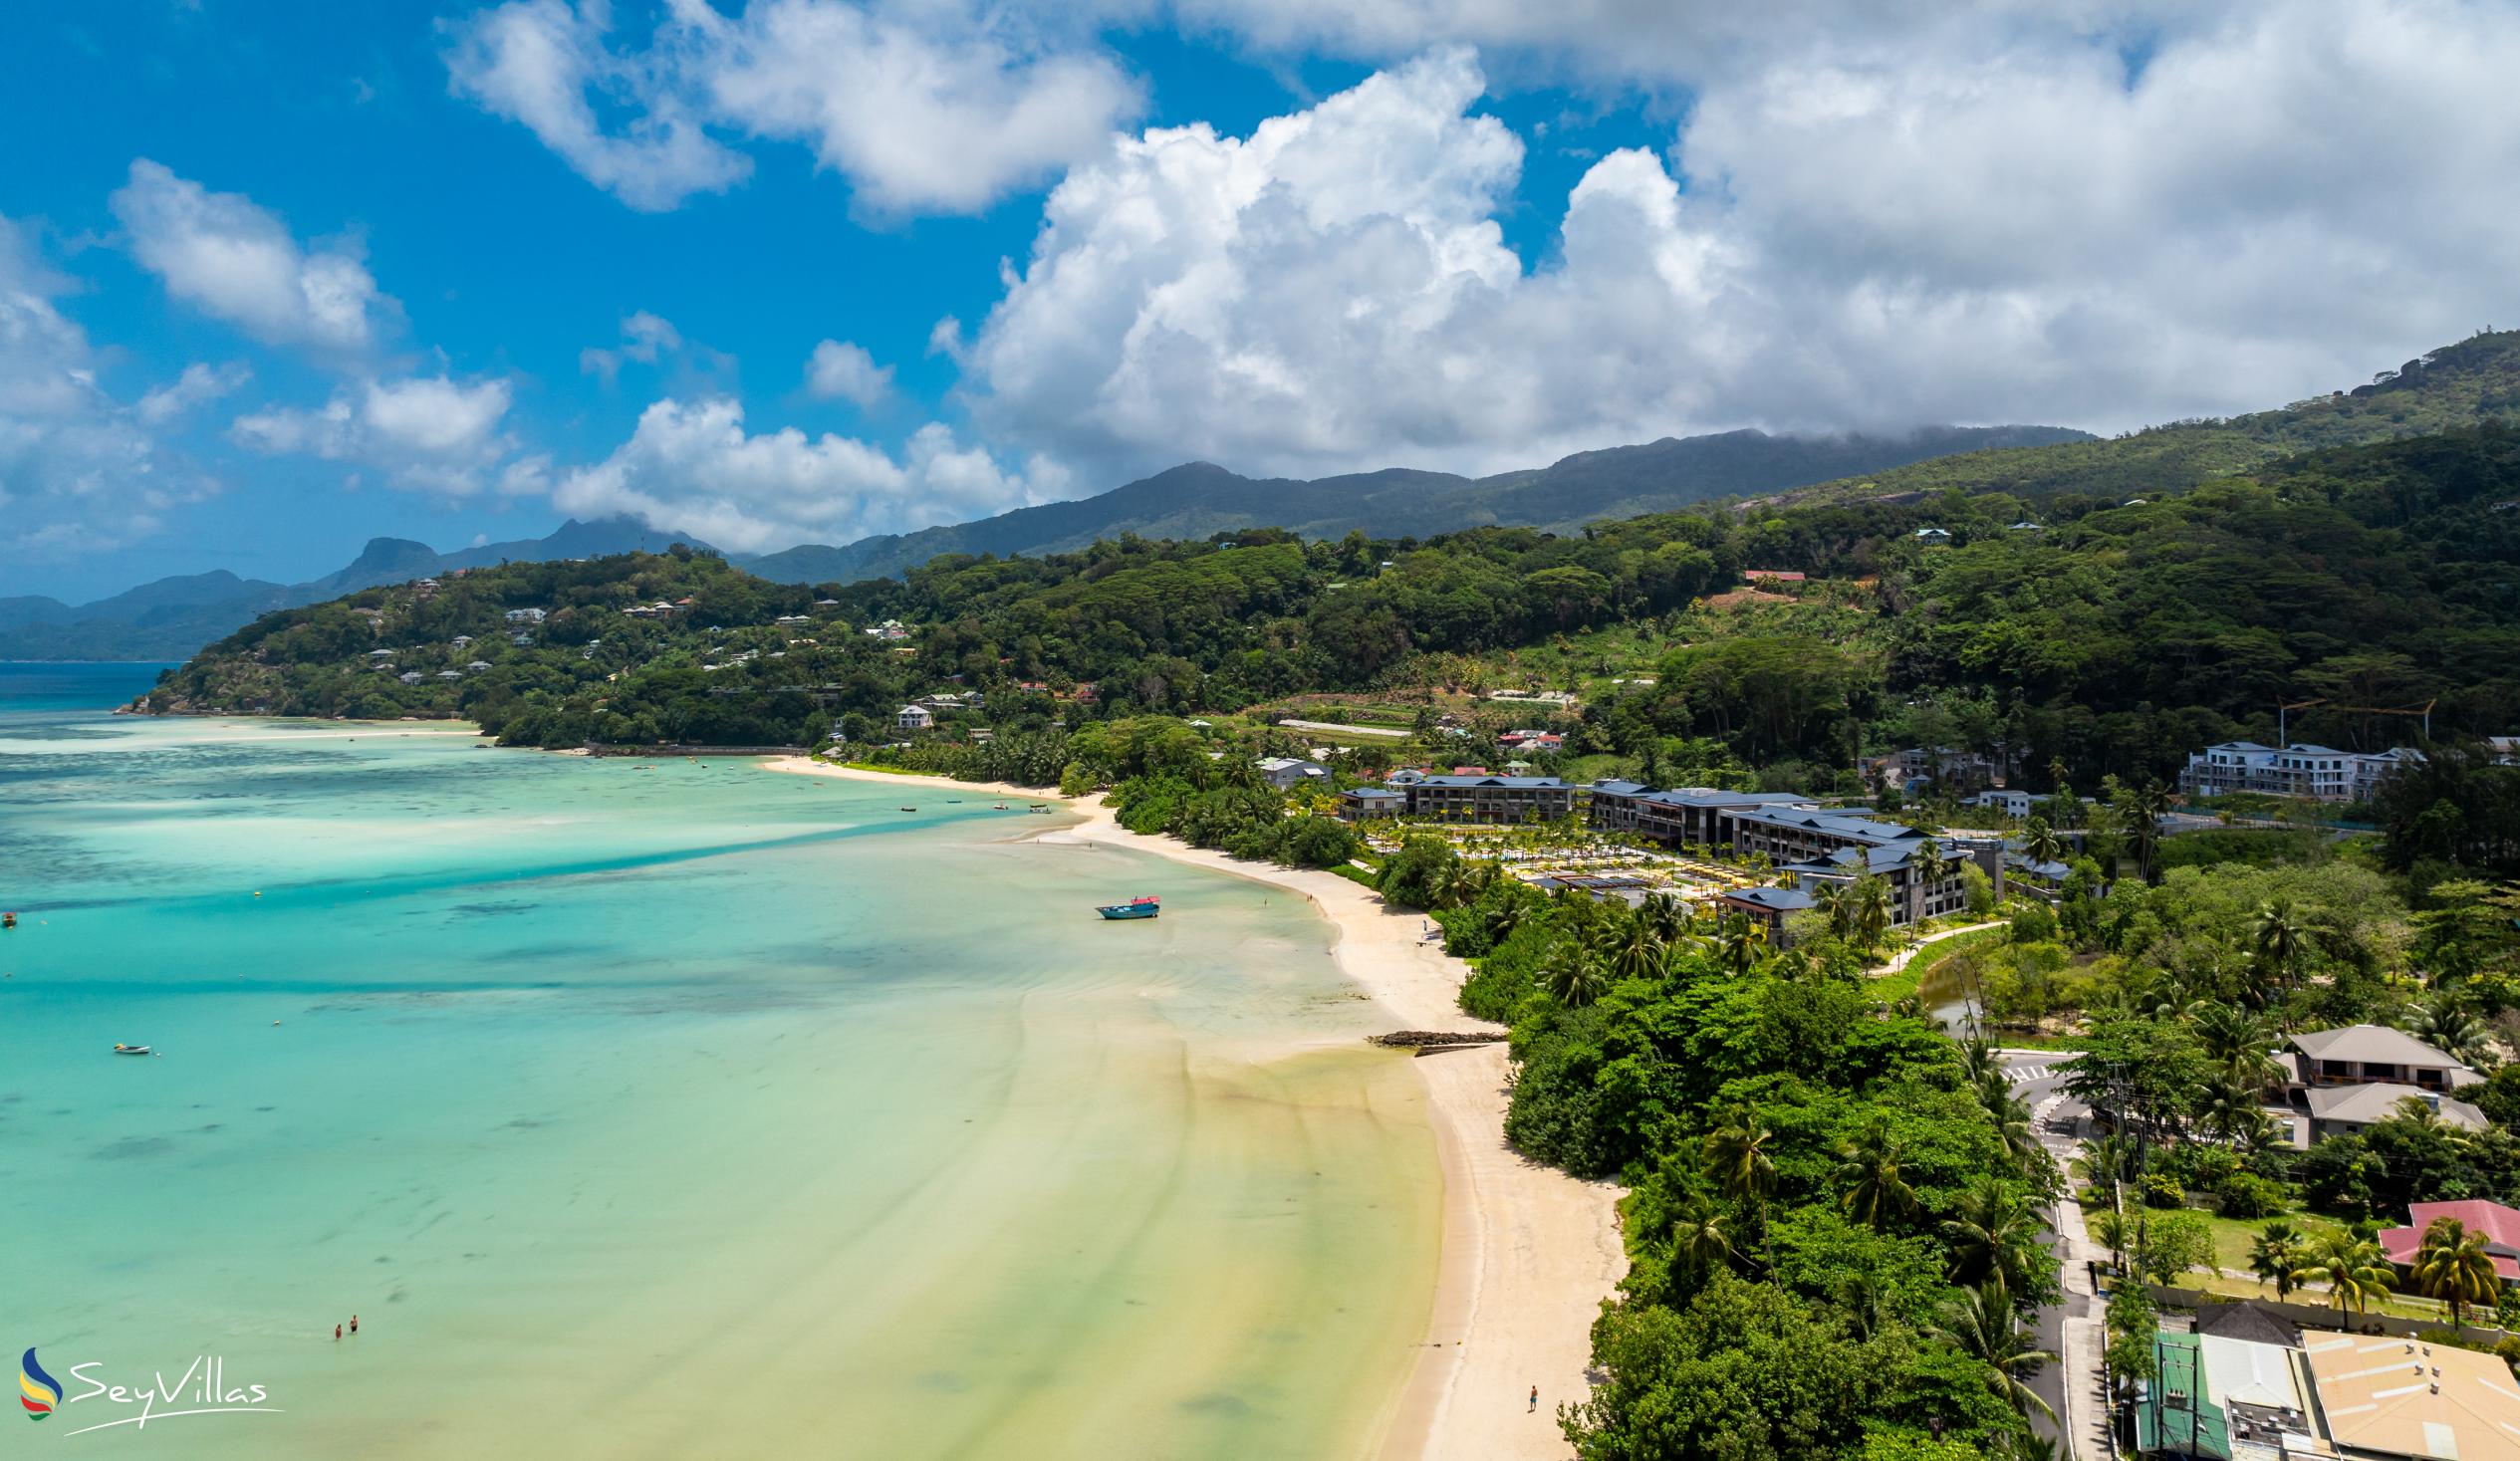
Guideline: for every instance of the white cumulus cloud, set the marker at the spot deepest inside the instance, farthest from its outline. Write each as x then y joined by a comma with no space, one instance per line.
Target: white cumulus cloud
231,258
199,385
427,433
78,471
545,64
691,467
940,107
1850,230
840,371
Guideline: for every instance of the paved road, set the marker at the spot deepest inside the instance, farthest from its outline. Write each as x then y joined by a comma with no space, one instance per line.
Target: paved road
2072,1387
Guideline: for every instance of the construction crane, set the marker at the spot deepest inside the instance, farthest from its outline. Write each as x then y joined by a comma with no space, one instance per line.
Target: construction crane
2423,710
2283,709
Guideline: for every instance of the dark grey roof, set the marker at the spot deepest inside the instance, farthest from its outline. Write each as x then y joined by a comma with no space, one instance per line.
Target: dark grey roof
1854,829
1781,899
1517,782
1381,793
2247,1319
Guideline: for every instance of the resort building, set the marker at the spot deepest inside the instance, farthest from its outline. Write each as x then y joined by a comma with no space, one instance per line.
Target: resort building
1767,908
1796,837
2319,773
1685,816
913,717
1363,803
1491,800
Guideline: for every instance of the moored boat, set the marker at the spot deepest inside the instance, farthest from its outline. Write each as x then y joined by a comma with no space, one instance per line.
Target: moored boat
121,1049
1140,908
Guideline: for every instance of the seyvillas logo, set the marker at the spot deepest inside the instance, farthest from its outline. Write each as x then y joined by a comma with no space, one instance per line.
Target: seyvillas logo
202,1388
36,1391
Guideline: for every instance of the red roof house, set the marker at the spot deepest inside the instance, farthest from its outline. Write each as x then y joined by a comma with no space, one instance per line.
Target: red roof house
2500,1225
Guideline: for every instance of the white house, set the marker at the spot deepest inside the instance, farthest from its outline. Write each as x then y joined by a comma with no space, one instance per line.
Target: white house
1286,771
2010,802
526,615
913,717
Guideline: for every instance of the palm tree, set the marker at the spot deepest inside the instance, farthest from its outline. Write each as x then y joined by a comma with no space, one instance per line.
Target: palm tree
1980,1325
1871,915
2454,1266
2229,1109
2276,1255
2352,1267
1635,952
2011,1116
1869,1166
2143,813
1933,866
1834,903
1738,943
1667,917
2106,1161
2445,1023
1574,974
2039,841
2239,1043
1700,1239
2280,938
1737,1154
1994,1235
1980,1063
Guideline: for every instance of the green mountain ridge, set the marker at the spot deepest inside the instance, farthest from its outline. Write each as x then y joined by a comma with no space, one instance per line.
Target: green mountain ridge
1201,499
2476,379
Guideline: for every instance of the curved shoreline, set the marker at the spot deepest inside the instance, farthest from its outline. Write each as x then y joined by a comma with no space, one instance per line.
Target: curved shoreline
1528,1252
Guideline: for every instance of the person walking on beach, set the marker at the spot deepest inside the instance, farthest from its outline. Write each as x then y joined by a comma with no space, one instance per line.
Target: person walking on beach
1535,1399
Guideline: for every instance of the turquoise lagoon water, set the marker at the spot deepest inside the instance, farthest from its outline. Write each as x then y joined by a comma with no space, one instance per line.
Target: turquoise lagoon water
673,1111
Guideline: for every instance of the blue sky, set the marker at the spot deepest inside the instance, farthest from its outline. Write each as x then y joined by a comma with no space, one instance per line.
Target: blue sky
384,240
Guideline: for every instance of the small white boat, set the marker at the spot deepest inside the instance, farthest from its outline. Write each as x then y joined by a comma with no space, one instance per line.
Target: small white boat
121,1049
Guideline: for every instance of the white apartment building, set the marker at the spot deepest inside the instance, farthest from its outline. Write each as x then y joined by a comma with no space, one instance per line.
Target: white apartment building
2319,773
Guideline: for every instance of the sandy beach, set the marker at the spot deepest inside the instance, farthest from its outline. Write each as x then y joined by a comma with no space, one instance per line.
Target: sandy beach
1528,1253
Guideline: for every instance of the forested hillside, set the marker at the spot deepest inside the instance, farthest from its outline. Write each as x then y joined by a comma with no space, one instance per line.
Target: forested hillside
2473,381
2112,637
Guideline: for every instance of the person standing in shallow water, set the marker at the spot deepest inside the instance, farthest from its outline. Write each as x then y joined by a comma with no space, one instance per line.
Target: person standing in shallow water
354,1328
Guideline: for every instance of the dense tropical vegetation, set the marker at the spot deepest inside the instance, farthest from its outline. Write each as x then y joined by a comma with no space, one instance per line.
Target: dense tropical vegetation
2113,641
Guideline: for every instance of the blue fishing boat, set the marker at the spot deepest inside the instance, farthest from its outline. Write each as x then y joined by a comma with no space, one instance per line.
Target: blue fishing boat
1145,907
